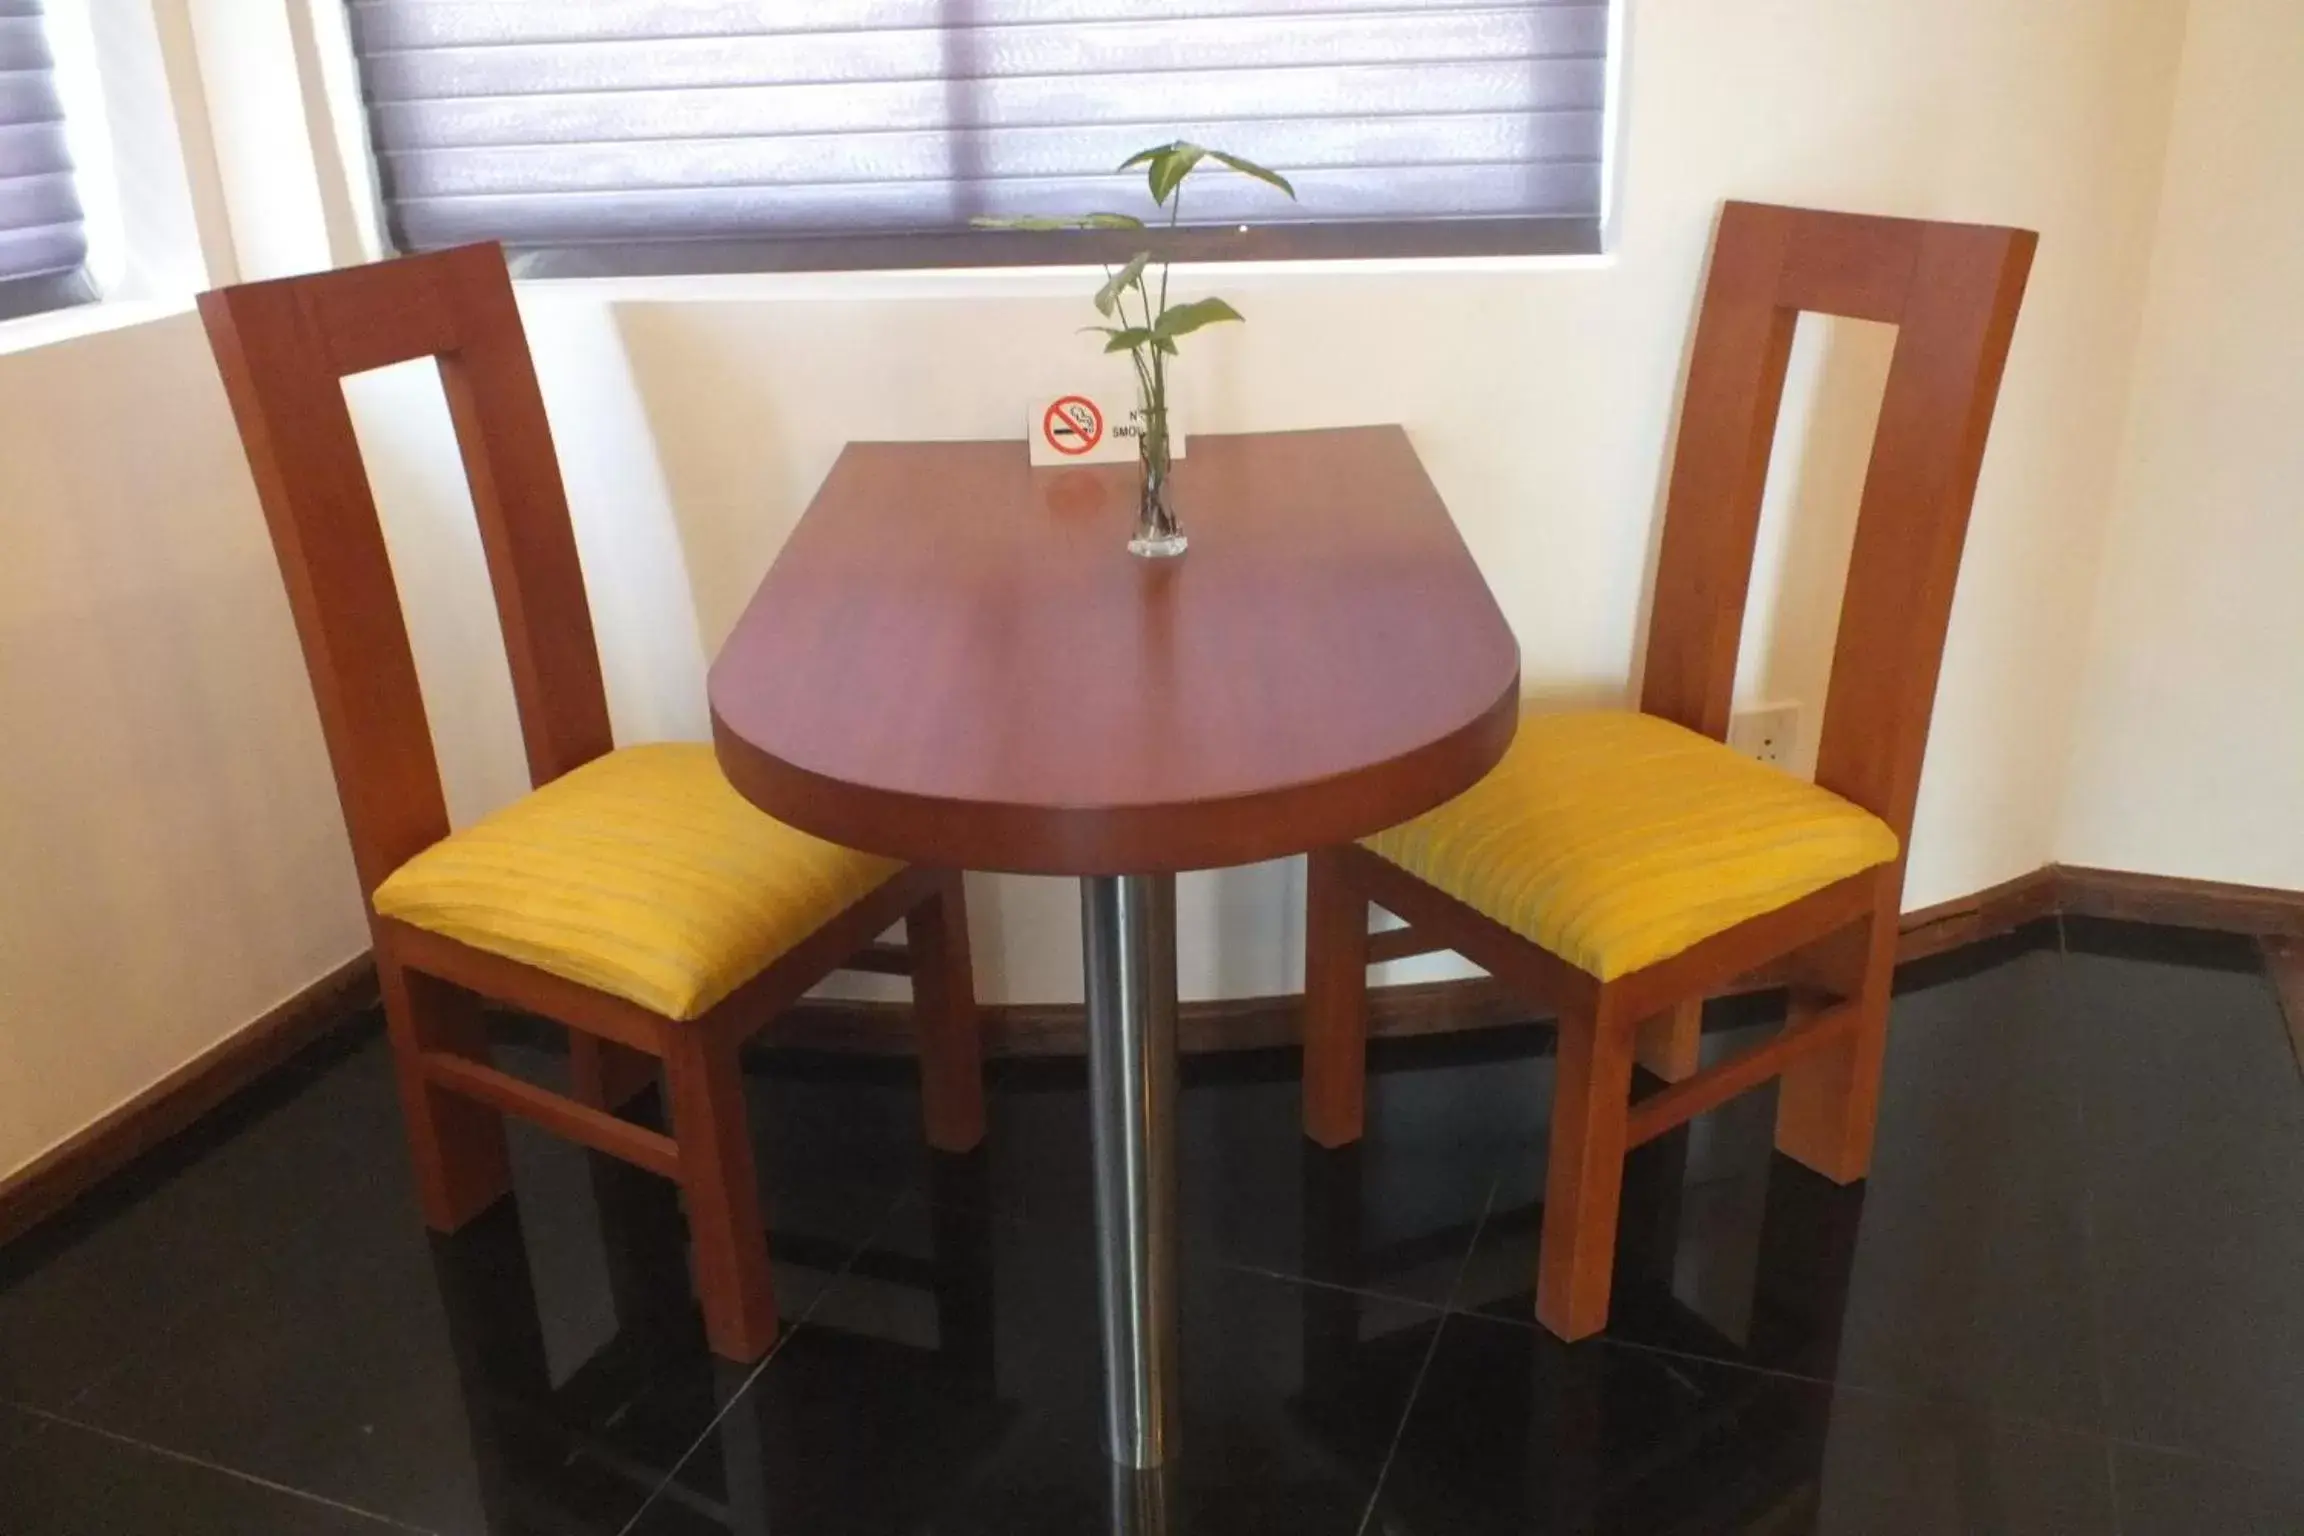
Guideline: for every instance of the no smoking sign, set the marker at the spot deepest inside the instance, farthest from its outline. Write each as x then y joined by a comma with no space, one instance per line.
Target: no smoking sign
1078,427
1073,425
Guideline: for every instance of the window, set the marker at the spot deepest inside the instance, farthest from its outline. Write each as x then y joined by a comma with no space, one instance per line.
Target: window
713,135
43,237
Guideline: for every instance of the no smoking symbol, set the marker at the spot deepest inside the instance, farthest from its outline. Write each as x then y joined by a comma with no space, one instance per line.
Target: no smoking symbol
1073,425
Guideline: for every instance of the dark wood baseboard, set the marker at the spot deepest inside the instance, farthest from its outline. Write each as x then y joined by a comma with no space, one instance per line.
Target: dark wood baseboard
1425,1008
1418,1008
63,1173
1218,1024
2179,903
1442,1007
1987,914
2284,963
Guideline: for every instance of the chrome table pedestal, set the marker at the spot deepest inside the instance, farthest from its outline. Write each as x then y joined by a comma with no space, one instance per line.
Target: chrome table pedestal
1128,928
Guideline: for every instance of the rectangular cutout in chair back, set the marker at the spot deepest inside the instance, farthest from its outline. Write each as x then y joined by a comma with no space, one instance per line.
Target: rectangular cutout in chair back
1953,292
283,347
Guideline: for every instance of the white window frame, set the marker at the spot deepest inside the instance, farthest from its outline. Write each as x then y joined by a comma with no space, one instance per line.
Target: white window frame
347,144
117,71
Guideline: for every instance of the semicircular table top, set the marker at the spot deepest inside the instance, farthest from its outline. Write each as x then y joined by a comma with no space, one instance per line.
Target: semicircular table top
955,660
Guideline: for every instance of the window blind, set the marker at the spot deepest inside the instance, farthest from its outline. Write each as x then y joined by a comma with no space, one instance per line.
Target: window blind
703,134
43,243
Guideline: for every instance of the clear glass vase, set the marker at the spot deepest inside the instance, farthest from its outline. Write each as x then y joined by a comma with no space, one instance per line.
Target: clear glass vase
1159,535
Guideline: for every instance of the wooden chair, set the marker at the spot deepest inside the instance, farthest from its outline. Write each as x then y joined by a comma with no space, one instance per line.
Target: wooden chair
1618,867
633,897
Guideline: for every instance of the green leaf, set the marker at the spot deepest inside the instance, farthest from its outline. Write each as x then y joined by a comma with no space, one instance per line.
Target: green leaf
1251,168
1169,169
1132,338
1111,221
1184,319
1109,294
1144,156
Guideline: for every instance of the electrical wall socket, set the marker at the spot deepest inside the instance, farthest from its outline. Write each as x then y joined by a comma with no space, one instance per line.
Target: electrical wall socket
1768,734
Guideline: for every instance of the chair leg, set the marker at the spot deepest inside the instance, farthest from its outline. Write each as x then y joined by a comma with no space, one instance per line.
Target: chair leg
1828,1100
606,1075
722,1194
950,1030
1335,1000
1584,1182
1671,1044
457,1146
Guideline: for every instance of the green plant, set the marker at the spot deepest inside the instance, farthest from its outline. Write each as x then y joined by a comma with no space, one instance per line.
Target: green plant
1149,334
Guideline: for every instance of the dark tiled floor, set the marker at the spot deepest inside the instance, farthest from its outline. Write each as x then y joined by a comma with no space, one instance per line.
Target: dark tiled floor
2071,1299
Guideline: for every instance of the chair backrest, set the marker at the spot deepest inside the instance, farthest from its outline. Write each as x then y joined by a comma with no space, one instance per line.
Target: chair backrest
284,348
1953,291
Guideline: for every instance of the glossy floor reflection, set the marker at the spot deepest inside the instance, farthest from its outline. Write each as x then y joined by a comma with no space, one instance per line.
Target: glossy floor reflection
2069,1300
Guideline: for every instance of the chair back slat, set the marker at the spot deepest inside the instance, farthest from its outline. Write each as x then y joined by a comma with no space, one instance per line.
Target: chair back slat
1719,472
1953,292
284,348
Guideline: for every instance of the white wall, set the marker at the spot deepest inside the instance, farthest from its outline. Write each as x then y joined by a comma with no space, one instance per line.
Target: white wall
172,863
2190,759
174,859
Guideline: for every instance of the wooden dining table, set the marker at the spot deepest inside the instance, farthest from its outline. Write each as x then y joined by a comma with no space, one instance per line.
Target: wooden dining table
956,662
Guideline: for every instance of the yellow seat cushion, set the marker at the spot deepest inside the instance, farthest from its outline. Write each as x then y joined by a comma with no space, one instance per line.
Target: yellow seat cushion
1616,840
641,874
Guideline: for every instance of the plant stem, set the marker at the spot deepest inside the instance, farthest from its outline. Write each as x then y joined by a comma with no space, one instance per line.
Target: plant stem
1158,424
1175,212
